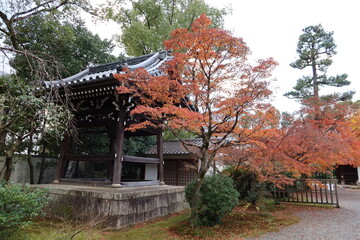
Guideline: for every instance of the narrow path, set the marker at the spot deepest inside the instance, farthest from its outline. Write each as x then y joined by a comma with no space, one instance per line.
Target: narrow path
338,224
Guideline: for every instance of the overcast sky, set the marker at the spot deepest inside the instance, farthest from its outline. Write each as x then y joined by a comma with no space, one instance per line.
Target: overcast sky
271,29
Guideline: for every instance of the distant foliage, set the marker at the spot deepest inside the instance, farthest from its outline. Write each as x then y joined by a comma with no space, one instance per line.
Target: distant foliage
218,198
70,46
246,183
19,204
146,24
254,192
242,178
138,146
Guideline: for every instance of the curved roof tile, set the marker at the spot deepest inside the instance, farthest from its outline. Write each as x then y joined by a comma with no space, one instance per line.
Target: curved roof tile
150,62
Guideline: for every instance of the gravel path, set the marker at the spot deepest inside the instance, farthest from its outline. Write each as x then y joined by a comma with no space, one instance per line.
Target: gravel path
340,224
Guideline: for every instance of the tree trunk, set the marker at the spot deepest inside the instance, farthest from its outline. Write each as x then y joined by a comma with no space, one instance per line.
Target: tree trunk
42,165
314,80
8,167
2,126
214,170
316,87
31,169
2,140
29,160
9,159
195,202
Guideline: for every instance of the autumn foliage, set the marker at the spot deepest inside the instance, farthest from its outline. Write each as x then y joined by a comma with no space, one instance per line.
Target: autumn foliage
206,89
307,145
209,89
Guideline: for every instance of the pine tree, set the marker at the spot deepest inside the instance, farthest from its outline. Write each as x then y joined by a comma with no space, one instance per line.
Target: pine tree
316,47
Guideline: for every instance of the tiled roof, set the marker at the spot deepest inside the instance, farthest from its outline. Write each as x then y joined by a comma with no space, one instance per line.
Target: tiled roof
175,147
150,62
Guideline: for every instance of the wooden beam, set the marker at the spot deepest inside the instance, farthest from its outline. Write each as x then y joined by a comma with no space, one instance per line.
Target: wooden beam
119,142
141,159
89,158
160,152
65,144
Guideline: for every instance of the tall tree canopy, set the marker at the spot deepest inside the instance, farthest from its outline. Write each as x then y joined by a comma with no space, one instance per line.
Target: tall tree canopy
148,23
316,47
205,90
70,45
15,13
37,37
25,112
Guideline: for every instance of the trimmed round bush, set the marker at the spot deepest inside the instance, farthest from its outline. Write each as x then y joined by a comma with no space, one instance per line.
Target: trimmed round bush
217,198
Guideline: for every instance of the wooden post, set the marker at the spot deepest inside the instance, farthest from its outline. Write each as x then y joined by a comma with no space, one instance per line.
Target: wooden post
160,152
65,144
342,175
110,169
119,151
337,197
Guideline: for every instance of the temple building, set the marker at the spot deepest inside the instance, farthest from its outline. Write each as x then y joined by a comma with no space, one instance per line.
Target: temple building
348,175
97,154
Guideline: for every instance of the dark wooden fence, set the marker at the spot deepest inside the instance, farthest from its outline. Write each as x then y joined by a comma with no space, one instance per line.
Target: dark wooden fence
322,191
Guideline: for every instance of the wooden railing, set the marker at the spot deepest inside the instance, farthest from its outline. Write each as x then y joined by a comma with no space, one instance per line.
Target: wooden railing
319,191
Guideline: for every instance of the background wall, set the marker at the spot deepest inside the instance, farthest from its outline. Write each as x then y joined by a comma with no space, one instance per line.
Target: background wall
21,172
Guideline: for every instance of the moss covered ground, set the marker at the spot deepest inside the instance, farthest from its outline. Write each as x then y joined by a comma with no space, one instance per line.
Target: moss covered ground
243,222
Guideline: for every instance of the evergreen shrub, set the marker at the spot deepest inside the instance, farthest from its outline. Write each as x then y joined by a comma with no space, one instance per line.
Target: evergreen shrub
19,204
217,198
246,183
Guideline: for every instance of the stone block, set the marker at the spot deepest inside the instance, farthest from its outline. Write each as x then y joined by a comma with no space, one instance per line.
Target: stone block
121,207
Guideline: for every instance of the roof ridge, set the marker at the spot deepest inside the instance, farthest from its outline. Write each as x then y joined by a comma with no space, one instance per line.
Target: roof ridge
108,66
91,73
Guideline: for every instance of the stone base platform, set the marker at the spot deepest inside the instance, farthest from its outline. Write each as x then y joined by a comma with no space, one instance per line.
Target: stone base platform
115,207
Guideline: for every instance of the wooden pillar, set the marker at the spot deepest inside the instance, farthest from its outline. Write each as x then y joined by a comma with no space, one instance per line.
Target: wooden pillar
342,174
160,152
119,149
64,148
110,169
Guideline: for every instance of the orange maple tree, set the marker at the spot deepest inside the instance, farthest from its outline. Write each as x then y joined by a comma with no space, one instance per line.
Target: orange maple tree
316,141
205,89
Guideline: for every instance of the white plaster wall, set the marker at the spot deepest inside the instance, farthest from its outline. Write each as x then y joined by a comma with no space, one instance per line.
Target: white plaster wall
151,172
21,172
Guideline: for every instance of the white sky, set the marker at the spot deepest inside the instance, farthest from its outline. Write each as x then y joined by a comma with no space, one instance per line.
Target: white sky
271,29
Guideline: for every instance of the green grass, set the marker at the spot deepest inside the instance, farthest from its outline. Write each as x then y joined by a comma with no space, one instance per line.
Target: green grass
57,230
240,224
237,225
44,229
156,231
